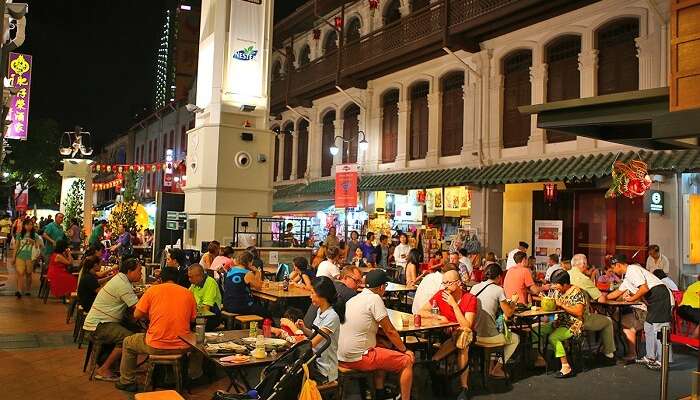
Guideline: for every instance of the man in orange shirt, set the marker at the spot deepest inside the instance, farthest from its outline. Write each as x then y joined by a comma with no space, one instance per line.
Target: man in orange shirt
170,308
519,279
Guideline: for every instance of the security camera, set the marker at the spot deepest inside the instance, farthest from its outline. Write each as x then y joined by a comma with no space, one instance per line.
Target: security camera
17,10
194,109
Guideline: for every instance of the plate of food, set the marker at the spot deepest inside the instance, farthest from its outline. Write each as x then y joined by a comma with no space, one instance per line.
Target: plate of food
270,343
225,348
238,358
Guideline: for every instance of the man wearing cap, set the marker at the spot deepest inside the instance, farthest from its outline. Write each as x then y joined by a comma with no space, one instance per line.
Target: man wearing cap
357,345
637,284
510,263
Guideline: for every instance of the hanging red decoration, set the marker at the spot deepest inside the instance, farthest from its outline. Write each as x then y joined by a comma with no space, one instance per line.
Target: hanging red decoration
550,192
373,4
317,34
421,197
339,23
629,179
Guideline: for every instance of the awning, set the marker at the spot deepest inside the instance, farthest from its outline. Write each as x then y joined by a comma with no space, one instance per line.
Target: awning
301,206
639,118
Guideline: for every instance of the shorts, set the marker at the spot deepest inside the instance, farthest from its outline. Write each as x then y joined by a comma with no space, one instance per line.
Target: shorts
380,359
110,332
23,266
634,320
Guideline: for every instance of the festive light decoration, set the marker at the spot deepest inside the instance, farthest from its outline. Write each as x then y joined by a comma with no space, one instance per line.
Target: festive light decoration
629,179
317,34
120,168
106,185
338,23
373,5
550,192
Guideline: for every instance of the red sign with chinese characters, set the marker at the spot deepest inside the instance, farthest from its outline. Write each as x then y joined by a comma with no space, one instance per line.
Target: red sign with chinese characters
19,72
346,186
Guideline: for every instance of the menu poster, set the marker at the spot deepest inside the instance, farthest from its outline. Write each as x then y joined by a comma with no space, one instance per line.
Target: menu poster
548,238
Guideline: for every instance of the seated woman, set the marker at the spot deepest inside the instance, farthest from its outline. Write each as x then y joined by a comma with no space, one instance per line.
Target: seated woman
89,283
412,267
60,261
329,316
176,259
240,279
224,261
212,252
358,258
319,257
459,306
302,274
572,301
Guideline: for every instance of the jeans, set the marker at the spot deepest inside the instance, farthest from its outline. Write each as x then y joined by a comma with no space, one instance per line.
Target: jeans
653,344
598,322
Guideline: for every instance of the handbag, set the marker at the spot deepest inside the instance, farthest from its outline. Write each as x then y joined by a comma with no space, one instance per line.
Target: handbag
462,338
36,252
309,389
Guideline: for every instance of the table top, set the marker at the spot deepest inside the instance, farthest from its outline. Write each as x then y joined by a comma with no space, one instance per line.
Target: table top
227,336
396,318
274,292
397,287
616,303
536,313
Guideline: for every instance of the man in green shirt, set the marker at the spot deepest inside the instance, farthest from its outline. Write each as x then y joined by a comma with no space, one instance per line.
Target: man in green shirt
97,232
53,232
579,276
206,294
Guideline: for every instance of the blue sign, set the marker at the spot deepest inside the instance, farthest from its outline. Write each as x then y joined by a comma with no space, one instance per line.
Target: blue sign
247,54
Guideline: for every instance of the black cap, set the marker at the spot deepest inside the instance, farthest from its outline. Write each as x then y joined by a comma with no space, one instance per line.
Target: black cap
618,258
523,245
376,278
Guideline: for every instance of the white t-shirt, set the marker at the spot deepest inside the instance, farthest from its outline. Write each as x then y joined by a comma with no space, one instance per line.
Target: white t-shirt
637,276
671,285
429,285
328,361
510,263
327,268
359,332
550,271
111,302
661,264
401,249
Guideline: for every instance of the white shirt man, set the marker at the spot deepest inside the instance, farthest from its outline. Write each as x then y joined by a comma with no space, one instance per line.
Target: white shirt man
510,263
553,263
656,260
429,285
328,268
401,254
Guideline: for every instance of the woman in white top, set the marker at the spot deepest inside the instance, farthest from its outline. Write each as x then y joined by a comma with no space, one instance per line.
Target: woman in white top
328,267
401,251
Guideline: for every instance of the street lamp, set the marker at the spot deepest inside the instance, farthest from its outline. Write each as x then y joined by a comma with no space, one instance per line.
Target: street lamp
362,145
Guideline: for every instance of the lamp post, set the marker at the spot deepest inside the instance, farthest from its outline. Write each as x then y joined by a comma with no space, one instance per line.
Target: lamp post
362,146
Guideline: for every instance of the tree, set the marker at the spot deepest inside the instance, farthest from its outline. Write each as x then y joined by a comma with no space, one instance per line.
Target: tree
74,203
126,211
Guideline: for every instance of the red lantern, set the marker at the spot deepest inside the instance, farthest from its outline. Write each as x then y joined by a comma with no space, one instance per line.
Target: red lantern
550,192
338,23
317,34
373,4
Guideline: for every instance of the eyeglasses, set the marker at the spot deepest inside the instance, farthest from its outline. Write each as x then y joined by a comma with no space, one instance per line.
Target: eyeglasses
449,283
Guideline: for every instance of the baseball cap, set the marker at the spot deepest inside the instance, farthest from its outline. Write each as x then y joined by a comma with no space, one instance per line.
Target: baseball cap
376,278
618,258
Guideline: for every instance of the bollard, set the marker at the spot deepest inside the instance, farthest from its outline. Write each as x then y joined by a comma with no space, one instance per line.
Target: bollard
665,350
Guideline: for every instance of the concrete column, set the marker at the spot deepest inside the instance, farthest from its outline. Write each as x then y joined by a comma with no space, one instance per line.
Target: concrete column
338,158
374,136
538,84
468,127
280,163
295,151
402,142
73,170
405,8
482,106
487,217
588,70
434,123
315,151
649,54
494,106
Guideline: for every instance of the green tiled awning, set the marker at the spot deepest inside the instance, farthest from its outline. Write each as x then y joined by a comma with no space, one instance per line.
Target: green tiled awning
577,168
301,206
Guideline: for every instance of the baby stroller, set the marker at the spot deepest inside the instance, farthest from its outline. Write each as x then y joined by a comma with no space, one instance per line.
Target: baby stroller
282,380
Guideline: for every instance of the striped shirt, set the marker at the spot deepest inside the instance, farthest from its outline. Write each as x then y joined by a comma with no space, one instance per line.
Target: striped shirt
111,302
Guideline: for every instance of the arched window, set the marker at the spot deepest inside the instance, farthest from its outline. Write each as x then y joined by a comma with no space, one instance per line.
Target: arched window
516,92
563,77
302,147
277,157
418,143
304,55
390,125
419,4
288,143
276,71
352,31
330,44
327,142
618,65
392,12
452,87
350,129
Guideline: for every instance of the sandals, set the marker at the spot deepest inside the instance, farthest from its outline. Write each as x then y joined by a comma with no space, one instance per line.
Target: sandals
104,378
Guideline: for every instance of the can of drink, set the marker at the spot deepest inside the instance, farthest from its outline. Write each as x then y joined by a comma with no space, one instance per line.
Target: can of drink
416,320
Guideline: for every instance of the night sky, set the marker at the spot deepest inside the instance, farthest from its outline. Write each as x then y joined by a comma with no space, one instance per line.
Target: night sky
94,61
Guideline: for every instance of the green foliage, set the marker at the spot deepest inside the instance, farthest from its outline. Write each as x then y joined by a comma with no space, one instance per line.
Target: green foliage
131,183
124,212
74,203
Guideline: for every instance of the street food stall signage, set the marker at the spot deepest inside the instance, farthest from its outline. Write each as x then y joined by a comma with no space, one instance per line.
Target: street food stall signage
654,202
19,74
175,220
548,238
346,186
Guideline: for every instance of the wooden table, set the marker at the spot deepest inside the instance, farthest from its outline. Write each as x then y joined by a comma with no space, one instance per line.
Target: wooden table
427,324
612,308
275,293
233,370
269,270
400,291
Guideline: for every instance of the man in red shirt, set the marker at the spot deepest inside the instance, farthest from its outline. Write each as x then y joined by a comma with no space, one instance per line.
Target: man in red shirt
169,308
519,279
457,306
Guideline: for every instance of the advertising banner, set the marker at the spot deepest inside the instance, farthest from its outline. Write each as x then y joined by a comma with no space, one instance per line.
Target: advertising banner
19,72
21,199
346,186
548,238
246,56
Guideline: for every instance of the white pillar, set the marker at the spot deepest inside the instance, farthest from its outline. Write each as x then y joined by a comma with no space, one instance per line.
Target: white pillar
315,149
295,150
649,54
469,128
338,158
73,170
434,117
588,71
538,82
403,127
280,163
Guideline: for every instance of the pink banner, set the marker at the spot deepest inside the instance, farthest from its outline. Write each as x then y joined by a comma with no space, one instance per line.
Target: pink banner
19,72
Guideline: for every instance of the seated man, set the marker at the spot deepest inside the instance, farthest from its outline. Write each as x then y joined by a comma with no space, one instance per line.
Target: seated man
103,322
689,309
170,309
519,279
579,276
346,288
491,301
458,306
206,293
552,265
239,280
428,286
357,345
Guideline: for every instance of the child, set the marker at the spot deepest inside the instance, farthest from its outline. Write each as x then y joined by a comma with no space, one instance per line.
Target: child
288,328
302,274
